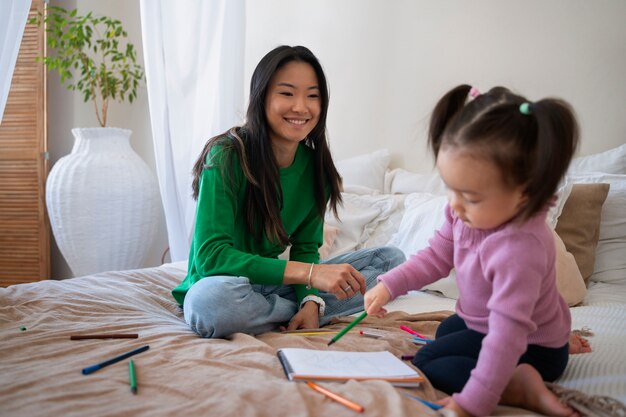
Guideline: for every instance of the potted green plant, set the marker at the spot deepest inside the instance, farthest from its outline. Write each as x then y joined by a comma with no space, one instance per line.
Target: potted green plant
90,57
102,198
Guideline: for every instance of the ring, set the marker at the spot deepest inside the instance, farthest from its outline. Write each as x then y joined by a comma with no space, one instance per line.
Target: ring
348,288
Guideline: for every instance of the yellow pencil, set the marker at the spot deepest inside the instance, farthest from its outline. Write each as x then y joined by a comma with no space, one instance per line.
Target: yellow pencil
309,333
319,330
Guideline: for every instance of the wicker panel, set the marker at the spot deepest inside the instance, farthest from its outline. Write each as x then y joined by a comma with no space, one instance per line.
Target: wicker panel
24,226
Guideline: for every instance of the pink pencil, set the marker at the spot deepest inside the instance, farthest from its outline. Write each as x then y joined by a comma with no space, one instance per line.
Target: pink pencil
413,332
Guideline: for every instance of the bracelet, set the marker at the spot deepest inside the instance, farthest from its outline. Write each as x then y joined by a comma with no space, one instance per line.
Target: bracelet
317,300
308,285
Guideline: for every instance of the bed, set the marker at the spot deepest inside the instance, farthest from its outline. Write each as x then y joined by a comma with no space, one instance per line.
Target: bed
40,367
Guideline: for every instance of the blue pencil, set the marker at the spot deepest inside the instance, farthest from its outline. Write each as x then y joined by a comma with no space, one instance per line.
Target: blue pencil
432,406
94,368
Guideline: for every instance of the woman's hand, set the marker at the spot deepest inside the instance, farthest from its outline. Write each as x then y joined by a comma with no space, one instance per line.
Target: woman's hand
375,299
306,318
342,280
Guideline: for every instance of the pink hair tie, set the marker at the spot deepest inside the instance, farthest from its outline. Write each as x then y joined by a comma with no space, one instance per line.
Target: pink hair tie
473,93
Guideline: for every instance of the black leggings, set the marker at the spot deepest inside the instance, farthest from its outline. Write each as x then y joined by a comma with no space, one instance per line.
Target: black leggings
449,359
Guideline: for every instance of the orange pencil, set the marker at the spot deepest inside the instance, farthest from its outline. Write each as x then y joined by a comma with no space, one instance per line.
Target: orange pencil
351,405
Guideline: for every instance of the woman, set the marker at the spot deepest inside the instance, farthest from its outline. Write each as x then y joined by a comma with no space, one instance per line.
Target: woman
261,188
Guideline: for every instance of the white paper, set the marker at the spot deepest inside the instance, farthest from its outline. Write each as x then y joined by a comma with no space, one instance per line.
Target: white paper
325,363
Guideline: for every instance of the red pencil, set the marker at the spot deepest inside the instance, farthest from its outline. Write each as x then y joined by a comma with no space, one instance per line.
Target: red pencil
413,332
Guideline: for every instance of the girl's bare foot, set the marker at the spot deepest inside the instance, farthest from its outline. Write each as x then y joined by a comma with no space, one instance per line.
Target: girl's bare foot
578,344
527,390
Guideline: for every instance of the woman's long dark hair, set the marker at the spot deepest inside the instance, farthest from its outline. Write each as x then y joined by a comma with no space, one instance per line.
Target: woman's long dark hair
251,142
532,145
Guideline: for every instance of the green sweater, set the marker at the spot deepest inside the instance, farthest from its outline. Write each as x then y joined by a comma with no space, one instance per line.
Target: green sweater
221,242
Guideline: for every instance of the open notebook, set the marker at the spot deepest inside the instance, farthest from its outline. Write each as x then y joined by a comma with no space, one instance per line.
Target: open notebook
330,365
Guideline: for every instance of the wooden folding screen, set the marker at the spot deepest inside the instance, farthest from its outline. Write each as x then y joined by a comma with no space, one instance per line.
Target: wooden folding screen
24,226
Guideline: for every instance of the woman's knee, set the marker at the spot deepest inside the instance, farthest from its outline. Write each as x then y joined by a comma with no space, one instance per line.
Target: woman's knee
208,305
385,258
393,255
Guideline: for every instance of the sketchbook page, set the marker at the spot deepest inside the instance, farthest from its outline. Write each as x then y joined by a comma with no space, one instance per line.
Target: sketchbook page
339,364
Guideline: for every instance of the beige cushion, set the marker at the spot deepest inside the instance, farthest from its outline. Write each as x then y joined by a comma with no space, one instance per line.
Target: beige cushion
579,224
569,280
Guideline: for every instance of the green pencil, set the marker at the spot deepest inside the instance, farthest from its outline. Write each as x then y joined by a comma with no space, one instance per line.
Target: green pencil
347,328
131,375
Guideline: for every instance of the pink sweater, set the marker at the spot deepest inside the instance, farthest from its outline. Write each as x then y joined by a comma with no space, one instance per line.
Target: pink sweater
507,285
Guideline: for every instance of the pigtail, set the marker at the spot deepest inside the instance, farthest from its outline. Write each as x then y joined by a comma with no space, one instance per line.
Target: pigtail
447,107
556,142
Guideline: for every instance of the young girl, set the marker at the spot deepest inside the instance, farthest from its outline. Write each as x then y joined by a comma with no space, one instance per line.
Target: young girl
260,188
501,158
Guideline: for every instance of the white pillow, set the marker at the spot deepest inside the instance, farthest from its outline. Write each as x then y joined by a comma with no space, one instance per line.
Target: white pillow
358,217
387,227
565,189
401,181
423,216
610,264
364,174
612,161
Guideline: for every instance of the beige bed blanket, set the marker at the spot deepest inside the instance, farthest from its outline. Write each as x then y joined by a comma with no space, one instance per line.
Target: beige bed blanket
181,374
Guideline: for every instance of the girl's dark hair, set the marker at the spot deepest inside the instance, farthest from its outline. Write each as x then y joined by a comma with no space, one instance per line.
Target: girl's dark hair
251,142
531,147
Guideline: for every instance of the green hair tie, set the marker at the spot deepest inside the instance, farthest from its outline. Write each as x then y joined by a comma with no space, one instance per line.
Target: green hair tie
524,108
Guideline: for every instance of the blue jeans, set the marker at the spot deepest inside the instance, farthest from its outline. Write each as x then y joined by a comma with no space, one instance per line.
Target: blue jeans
218,306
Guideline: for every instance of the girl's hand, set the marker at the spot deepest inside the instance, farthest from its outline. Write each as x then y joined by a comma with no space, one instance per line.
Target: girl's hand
342,280
450,404
306,318
375,299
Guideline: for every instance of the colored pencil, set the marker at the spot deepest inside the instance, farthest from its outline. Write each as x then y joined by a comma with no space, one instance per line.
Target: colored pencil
319,330
407,357
104,336
310,333
347,328
131,377
413,332
94,368
432,406
343,401
370,334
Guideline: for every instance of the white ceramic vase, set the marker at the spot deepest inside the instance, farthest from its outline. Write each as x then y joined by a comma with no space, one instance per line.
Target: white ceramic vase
102,201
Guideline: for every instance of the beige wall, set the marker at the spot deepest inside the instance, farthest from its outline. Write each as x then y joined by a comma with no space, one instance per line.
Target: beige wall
388,61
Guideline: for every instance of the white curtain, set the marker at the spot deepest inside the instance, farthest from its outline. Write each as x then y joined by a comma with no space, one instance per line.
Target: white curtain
13,15
194,57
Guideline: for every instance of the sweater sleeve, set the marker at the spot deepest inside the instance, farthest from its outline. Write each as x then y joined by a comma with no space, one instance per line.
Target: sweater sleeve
426,266
217,211
516,282
305,244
